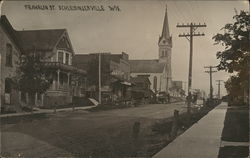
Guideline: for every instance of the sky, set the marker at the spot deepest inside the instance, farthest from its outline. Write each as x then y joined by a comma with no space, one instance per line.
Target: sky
136,28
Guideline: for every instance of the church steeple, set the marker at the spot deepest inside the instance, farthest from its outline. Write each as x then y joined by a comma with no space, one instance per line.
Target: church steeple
165,41
165,30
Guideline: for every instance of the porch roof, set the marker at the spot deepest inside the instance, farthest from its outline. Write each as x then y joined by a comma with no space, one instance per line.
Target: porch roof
58,65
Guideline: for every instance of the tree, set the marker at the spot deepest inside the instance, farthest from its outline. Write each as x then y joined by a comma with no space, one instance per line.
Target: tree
31,76
234,58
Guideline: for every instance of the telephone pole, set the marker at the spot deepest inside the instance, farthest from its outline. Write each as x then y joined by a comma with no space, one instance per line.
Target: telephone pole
210,74
189,36
219,83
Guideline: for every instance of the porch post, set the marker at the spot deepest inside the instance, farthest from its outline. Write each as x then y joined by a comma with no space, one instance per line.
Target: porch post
42,99
68,77
58,79
19,97
36,99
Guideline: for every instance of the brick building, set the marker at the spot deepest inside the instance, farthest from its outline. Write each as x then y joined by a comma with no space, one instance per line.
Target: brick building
118,73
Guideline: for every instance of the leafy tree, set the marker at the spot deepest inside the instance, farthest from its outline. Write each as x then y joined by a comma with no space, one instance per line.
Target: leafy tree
234,58
31,76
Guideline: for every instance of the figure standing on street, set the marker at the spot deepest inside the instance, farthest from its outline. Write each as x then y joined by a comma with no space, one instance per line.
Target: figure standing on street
195,97
168,97
189,98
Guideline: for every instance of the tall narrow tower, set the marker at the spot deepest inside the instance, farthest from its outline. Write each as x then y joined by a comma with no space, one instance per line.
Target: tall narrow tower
165,41
165,48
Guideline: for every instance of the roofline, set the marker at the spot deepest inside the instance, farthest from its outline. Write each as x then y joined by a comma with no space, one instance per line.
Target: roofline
144,60
12,33
65,31
40,30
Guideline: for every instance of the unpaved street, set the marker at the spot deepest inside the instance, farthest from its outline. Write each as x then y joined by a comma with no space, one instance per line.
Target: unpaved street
82,133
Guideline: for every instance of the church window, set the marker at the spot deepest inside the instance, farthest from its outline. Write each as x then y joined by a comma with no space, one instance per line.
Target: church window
155,83
162,54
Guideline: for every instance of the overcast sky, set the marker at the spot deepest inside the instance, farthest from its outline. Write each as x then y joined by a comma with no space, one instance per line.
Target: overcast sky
135,29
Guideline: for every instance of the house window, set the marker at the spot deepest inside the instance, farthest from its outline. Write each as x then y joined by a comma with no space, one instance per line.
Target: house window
8,55
23,97
60,57
155,83
67,59
7,85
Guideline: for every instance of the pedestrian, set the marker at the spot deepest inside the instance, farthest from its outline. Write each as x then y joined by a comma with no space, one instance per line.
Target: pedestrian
189,98
168,96
194,100
55,106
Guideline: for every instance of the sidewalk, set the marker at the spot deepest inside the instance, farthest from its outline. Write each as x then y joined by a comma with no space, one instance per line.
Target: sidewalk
45,111
201,140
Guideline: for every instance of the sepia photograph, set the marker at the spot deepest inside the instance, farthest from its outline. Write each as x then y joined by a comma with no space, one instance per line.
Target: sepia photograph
124,78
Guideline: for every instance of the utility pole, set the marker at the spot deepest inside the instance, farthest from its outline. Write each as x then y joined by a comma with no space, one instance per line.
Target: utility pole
189,36
210,74
100,84
219,83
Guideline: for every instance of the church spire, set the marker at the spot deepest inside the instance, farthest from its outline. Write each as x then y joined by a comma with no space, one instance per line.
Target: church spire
165,30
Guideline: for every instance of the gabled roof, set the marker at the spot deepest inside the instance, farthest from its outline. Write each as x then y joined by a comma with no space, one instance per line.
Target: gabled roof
39,39
146,66
33,39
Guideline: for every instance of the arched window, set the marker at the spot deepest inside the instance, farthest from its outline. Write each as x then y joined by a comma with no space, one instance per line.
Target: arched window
155,83
8,61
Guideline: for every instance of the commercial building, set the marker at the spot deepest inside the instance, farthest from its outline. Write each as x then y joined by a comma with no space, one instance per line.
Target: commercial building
115,74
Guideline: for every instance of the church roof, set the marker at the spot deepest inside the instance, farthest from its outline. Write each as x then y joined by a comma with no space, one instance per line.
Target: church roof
146,66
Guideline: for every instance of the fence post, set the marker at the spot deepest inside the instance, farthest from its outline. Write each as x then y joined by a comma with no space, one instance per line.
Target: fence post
175,124
136,130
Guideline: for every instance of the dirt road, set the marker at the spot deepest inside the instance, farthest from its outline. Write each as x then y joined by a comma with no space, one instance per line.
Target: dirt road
84,134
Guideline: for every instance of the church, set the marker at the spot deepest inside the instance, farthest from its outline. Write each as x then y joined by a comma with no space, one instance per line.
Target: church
157,70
